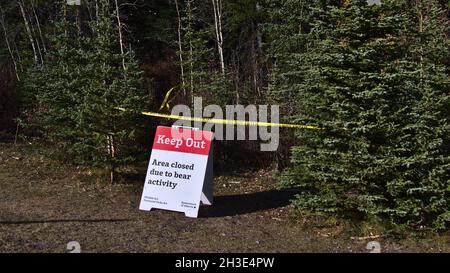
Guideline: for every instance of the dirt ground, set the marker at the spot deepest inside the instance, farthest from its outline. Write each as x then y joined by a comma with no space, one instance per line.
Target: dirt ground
44,204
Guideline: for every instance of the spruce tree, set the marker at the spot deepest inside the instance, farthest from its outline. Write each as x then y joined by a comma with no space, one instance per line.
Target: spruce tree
290,37
382,150
82,87
54,89
109,132
428,167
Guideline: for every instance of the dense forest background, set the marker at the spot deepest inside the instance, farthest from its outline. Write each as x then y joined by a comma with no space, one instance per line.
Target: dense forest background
374,77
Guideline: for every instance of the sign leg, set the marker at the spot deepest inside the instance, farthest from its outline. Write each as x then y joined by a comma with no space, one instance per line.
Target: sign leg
208,184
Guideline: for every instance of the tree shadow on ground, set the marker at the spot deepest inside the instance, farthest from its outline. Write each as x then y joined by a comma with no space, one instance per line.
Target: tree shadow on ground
62,221
230,205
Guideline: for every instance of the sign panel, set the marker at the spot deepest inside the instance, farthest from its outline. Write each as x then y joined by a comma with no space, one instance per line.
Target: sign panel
176,171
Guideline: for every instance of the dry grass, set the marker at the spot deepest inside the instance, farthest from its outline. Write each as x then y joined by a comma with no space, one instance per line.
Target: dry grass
44,204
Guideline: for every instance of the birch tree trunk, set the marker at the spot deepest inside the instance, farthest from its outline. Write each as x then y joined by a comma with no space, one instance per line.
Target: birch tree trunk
28,30
180,48
191,51
39,27
255,60
119,24
112,154
38,46
259,52
88,6
96,10
18,55
78,18
217,6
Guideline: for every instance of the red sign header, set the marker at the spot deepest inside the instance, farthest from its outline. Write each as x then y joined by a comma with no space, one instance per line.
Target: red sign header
182,140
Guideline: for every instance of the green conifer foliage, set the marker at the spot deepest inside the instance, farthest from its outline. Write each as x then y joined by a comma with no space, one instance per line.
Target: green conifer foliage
82,86
383,147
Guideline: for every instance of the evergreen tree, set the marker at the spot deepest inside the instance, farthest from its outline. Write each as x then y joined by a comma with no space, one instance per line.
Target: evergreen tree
361,85
81,89
427,173
290,36
111,85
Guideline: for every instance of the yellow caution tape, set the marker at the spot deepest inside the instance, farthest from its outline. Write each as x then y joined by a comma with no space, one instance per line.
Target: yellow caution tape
227,121
165,102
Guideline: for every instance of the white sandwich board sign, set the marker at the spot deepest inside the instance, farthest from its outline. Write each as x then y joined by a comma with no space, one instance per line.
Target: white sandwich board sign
179,173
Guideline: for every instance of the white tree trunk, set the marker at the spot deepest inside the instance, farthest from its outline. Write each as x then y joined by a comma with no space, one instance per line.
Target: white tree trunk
112,154
180,49
28,30
18,55
39,28
191,52
38,46
217,6
119,24
96,10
